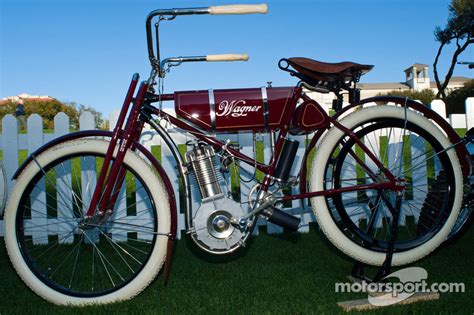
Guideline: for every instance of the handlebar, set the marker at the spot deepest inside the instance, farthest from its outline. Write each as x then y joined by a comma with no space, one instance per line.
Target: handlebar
176,61
228,57
169,14
214,10
239,9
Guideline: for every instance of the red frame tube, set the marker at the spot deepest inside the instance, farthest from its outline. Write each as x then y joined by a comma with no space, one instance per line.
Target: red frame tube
329,192
269,169
133,128
113,143
354,137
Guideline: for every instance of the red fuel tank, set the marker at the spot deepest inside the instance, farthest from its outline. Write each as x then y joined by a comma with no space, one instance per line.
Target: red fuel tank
308,117
231,110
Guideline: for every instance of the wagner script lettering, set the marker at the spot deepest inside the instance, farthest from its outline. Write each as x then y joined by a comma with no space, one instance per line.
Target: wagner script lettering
236,108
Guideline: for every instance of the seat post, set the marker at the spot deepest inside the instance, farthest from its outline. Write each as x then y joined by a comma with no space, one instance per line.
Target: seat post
354,92
337,103
354,95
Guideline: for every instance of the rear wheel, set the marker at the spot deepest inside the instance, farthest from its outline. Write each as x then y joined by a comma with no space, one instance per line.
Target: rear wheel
66,258
431,210
413,150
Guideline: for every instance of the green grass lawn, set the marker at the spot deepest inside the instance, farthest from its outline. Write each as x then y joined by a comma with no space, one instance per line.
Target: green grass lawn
289,273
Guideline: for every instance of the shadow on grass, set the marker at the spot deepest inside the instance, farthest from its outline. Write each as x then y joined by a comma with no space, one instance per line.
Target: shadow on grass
214,258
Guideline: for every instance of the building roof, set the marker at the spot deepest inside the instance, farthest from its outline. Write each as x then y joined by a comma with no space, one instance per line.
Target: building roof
416,65
452,81
383,86
459,79
10,99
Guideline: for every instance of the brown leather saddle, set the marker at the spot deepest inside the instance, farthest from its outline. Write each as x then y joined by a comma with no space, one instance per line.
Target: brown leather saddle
328,72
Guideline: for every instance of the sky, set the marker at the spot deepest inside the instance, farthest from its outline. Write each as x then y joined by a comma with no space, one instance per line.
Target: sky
87,50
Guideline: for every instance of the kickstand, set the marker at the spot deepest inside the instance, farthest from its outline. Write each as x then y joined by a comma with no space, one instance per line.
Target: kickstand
385,269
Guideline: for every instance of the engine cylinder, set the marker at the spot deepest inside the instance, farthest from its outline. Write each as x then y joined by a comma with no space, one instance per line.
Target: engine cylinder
201,158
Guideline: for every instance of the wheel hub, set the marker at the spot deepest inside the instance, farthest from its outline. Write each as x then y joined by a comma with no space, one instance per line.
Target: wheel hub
219,224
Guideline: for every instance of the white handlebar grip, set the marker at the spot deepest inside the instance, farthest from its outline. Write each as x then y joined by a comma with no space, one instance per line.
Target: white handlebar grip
228,57
239,9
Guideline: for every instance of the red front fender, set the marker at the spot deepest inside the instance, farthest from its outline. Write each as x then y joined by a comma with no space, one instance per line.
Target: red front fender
148,156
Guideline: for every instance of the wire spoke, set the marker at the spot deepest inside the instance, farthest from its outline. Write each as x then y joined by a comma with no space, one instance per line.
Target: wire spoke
102,258
115,245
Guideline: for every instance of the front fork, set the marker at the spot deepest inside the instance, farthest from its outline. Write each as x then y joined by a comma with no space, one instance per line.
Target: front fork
108,188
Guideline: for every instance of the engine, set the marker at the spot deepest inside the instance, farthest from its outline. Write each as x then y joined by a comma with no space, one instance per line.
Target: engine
212,227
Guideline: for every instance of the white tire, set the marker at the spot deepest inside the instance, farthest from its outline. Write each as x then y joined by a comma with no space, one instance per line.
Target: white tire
156,254
320,205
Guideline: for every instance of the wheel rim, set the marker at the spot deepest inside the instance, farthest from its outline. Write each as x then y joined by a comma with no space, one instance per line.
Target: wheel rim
363,216
70,254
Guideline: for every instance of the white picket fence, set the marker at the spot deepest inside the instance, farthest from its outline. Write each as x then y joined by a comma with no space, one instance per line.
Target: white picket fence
11,142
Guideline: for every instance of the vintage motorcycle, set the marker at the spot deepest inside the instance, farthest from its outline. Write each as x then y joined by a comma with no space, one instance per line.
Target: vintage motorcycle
93,215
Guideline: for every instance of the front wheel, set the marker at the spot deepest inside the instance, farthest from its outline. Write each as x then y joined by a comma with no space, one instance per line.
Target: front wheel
415,151
68,259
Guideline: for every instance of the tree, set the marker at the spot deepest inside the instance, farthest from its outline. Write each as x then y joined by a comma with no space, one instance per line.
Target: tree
456,100
99,120
47,109
460,29
425,96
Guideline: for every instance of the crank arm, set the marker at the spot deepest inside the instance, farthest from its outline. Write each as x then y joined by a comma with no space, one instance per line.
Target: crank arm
268,201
